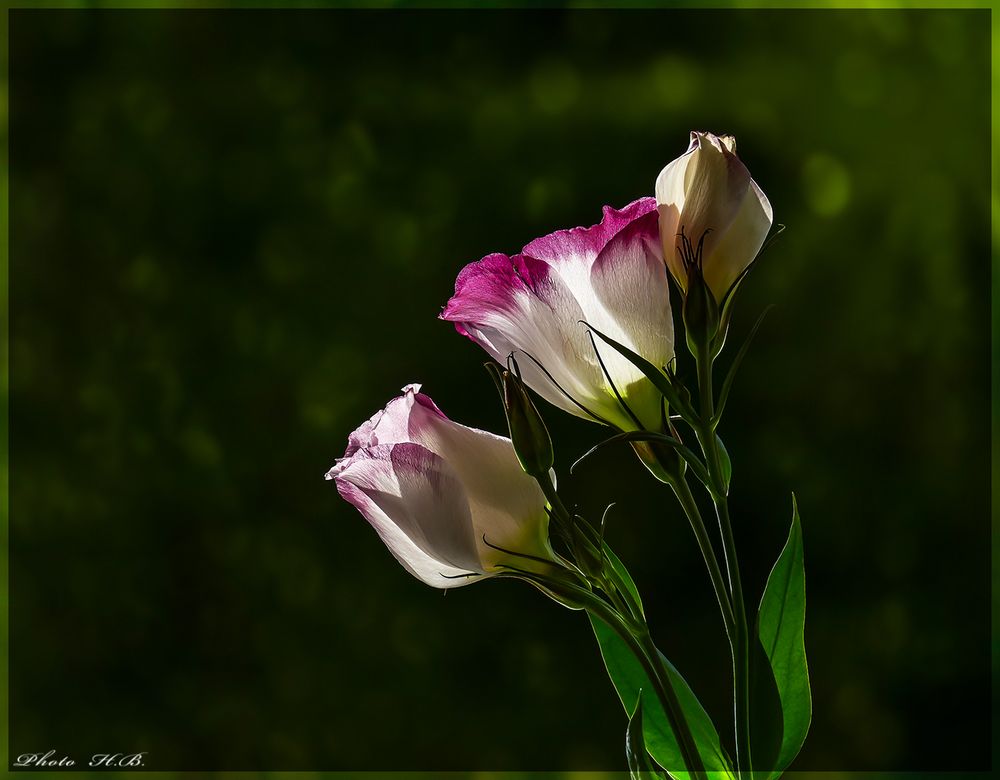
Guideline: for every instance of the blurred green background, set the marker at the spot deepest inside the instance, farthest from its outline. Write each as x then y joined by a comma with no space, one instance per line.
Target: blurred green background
231,235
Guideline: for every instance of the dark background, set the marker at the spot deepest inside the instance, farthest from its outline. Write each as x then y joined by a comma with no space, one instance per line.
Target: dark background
231,235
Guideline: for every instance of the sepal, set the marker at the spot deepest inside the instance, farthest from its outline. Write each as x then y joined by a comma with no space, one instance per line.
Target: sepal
575,594
701,314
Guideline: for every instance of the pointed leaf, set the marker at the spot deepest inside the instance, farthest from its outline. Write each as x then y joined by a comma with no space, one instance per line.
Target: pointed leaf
630,678
781,630
640,765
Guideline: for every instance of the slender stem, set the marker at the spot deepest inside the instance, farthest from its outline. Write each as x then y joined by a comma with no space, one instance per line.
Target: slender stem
545,483
706,429
741,654
740,638
641,644
690,507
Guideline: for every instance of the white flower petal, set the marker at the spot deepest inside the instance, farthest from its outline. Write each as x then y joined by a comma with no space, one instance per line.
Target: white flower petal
715,183
739,245
533,305
418,506
507,506
630,285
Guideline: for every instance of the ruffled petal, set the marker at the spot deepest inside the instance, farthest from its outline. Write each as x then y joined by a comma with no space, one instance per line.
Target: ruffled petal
585,243
390,425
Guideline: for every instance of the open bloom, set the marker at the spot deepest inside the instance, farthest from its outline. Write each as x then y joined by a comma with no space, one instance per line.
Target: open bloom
450,502
533,305
707,194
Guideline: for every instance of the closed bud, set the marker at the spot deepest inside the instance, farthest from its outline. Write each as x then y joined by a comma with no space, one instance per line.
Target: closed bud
530,437
708,193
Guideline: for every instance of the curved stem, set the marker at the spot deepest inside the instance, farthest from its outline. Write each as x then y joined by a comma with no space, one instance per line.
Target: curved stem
641,644
690,507
740,638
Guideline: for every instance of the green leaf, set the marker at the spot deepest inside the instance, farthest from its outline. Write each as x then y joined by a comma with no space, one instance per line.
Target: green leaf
766,717
630,679
640,766
781,630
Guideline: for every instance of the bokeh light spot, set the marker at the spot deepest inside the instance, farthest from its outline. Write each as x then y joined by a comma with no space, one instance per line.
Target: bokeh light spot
555,87
827,184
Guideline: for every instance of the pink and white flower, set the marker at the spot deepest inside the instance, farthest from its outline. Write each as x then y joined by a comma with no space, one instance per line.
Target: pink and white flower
450,502
533,305
708,194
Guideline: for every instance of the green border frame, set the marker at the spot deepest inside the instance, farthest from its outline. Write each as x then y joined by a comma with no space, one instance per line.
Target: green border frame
8,5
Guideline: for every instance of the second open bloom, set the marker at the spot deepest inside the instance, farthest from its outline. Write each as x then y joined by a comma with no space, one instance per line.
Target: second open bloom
451,502
536,305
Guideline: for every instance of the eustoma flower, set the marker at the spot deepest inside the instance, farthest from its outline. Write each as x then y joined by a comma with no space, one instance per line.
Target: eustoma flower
712,214
534,304
450,502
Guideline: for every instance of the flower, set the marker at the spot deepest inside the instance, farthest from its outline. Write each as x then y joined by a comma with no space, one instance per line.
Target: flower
533,305
711,212
450,502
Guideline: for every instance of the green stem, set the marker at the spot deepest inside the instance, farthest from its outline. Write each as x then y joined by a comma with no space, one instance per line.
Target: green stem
641,644
740,639
741,645
690,507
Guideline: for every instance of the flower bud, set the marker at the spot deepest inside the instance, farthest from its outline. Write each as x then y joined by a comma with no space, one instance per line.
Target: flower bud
707,193
530,437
